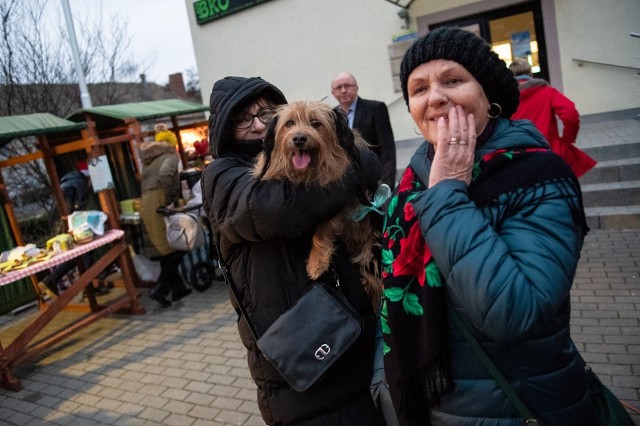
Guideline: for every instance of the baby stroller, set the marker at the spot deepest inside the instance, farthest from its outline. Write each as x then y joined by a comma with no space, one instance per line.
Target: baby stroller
187,231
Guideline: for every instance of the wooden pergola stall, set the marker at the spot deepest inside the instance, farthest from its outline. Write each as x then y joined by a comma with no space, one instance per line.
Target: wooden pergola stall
120,129
122,123
53,139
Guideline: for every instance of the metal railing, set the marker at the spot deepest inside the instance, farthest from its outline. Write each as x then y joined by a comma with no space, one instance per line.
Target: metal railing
588,61
634,34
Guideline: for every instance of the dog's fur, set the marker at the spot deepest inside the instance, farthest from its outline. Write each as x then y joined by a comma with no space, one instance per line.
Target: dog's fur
310,143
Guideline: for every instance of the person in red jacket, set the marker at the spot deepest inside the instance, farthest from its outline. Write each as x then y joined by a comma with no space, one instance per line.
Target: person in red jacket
543,105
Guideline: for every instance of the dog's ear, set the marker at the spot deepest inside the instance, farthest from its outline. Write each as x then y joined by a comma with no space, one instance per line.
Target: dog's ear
268,144
345,135
346,138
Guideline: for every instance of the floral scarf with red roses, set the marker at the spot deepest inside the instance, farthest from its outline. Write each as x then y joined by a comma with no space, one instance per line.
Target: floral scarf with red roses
413,314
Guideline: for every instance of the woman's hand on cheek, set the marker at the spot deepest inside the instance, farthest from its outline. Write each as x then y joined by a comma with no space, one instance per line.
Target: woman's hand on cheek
455,149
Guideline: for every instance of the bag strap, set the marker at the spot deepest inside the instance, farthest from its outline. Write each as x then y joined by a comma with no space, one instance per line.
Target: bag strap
477,348
232,287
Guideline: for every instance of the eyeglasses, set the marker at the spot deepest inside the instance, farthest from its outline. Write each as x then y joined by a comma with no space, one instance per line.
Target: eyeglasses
244,120
343,86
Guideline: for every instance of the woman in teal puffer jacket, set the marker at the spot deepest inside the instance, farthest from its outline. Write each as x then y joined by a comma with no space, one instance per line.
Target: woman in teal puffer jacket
487,221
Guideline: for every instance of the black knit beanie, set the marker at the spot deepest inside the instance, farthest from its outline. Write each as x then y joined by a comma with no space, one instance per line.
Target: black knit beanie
473,53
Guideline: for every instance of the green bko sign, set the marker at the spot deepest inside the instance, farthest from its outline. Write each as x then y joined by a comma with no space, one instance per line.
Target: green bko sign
210,10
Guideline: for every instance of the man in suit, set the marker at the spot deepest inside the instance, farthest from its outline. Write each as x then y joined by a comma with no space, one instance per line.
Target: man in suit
371,119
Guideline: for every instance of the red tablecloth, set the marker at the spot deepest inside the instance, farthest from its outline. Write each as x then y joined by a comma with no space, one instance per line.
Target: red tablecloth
107,237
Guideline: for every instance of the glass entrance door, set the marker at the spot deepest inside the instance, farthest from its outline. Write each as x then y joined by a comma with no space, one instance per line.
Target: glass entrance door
512,32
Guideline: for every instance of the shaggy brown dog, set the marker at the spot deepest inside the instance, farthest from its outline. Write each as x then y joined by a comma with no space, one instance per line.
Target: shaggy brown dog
310,143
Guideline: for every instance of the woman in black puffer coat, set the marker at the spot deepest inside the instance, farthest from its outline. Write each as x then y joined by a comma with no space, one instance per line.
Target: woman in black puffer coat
264,230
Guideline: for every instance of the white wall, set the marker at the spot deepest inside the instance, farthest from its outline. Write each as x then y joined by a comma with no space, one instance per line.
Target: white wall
299,45
598,30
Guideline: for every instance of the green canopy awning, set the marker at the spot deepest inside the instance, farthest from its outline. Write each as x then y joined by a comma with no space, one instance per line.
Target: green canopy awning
110,115
16,126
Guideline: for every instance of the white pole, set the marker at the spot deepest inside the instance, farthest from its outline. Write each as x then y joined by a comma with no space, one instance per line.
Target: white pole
85,98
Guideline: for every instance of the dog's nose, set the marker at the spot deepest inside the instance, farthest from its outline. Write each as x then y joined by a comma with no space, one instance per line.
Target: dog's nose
299,139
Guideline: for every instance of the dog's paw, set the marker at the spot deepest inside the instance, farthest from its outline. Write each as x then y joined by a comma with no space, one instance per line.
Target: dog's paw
318,263
315,268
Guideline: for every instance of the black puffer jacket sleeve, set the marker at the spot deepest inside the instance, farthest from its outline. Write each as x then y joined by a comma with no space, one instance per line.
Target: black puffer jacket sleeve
244,208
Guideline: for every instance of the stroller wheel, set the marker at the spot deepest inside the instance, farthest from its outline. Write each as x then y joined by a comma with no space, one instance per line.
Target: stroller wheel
202,275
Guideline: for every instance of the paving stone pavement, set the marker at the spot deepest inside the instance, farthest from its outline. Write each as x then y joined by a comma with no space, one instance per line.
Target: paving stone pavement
185,365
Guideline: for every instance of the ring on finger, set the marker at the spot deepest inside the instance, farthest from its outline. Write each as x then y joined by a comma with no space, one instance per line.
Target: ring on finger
463,142
453,141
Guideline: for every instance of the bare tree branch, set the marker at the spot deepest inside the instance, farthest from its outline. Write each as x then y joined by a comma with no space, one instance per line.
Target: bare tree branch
37,74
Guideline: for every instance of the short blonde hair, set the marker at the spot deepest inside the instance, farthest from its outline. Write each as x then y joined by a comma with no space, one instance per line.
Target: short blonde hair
520,66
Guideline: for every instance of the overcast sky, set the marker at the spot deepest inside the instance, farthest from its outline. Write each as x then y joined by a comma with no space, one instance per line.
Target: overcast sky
159,31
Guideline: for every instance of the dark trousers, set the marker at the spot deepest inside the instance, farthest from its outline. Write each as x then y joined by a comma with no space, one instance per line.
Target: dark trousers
51,280
170,279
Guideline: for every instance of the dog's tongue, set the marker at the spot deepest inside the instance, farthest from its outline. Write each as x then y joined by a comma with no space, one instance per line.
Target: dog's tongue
301,160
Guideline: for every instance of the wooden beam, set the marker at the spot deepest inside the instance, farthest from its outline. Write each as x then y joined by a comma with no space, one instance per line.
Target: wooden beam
176,130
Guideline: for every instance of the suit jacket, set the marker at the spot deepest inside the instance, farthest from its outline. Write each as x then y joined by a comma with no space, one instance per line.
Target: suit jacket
372,121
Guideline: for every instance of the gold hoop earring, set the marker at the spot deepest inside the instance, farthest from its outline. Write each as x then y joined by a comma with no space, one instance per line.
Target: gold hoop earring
415,130
491,108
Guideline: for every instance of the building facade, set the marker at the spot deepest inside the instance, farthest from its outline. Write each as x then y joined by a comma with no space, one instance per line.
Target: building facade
589,49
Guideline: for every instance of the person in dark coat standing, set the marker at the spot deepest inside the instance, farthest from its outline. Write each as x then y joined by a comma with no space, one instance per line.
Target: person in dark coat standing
160,187
264,231
75,187
371,119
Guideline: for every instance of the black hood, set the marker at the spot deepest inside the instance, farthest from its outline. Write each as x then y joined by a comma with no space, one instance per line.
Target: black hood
227,95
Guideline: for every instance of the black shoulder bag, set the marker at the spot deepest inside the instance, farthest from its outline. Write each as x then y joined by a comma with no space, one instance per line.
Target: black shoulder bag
307,340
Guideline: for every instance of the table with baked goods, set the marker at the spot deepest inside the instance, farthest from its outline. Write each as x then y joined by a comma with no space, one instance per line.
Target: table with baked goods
21,348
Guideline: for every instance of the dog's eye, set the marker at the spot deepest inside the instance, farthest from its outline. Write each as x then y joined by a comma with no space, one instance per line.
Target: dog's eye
315,124
289,123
